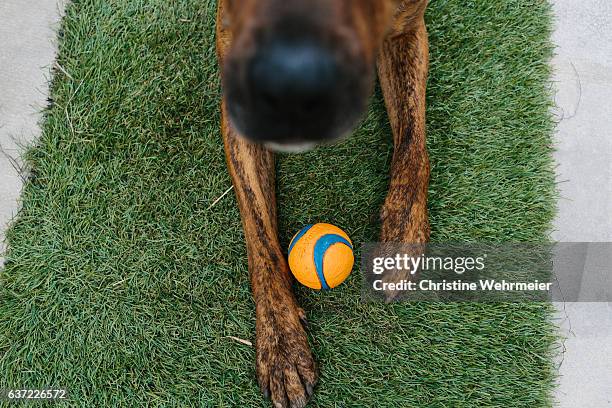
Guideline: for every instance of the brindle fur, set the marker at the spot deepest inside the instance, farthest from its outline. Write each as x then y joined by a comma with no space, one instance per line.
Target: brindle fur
395,34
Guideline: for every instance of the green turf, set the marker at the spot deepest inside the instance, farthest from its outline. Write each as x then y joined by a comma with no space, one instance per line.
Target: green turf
123,285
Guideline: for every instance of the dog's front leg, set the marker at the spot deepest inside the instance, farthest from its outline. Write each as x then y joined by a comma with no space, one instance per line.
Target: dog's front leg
402,70
285,367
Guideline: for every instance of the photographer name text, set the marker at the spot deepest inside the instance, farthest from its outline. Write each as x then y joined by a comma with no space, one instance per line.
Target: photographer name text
459,285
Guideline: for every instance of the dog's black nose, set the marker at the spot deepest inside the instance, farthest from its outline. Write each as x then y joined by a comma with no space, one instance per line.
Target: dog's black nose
292,79
294,90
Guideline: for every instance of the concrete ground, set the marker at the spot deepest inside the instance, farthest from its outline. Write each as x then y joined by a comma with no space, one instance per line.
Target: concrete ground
27,51
583,75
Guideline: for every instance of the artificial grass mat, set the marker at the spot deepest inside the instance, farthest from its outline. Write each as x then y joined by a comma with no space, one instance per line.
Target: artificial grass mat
122,283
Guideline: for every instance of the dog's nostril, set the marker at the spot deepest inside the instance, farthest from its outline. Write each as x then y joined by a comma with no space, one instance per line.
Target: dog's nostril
290,77
271,100
310,105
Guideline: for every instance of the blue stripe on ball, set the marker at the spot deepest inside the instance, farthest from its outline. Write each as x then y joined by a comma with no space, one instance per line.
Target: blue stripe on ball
321,246
297,237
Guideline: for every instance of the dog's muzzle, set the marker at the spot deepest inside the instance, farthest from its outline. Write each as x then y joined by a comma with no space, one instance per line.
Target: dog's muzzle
294,93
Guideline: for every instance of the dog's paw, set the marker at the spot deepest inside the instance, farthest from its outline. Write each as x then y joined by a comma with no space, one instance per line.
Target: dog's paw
404,230
286,371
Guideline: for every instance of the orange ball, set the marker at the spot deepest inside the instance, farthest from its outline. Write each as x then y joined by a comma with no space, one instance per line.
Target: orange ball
321,256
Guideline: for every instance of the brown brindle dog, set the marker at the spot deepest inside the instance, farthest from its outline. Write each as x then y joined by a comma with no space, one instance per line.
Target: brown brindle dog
297,73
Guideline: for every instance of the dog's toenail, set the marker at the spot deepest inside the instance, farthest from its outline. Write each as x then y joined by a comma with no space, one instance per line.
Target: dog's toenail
309,389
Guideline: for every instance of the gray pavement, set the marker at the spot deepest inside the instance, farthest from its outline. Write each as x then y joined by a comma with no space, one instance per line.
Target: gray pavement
27,50
583,73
